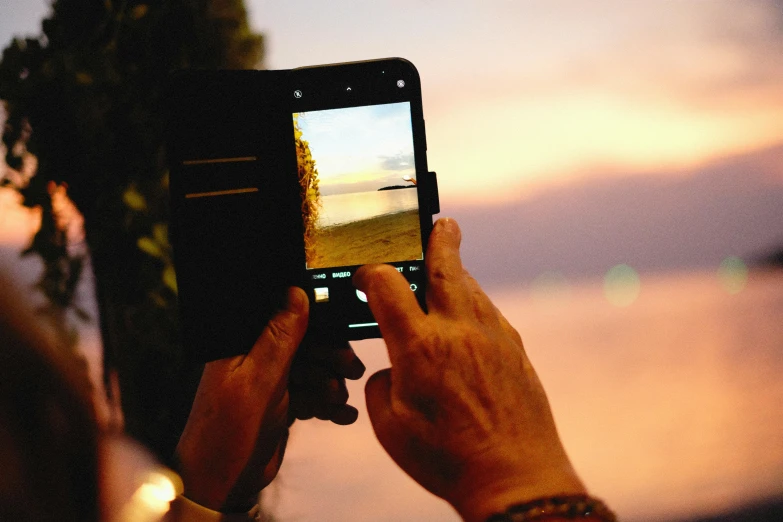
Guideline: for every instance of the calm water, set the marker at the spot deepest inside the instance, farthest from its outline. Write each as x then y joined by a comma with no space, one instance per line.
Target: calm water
670,407
345,208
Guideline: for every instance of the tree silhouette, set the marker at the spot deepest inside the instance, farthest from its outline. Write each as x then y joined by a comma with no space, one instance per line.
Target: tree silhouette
87,98
308,190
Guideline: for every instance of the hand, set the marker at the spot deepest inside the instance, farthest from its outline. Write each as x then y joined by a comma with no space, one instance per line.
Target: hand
235,437
461,409
317,382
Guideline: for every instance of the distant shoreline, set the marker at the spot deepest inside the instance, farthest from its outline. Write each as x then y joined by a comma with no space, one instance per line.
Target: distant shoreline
775,259
397,187
387,238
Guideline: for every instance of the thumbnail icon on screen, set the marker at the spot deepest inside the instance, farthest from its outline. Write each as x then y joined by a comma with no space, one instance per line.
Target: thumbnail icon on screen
321,294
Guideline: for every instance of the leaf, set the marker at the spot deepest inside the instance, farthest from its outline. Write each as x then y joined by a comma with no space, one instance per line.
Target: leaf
170,278
139,11
159,301
149,246
83,78
134,200
160,233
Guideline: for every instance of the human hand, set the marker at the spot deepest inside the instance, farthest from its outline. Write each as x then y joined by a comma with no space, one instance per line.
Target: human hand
317,382
461,409
235,437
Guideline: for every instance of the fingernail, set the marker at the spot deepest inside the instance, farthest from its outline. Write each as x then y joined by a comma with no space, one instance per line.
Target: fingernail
357,369
448,224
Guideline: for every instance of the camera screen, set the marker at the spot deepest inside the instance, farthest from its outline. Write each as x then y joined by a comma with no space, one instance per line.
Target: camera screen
357,179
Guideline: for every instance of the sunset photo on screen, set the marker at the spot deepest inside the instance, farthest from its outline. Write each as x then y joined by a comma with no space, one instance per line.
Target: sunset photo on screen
358,183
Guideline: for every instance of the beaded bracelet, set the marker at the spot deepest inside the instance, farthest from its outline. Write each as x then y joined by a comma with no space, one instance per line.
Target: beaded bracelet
563,506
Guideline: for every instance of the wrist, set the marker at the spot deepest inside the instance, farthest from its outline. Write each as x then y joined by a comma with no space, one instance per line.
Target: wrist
206,481
491,493
184,508
196,488
559,508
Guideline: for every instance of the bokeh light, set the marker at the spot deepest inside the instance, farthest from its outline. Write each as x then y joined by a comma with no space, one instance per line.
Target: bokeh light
621,285
550,286
733,274
153,498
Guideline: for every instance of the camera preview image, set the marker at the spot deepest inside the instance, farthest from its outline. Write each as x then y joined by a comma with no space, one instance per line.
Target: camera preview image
357,180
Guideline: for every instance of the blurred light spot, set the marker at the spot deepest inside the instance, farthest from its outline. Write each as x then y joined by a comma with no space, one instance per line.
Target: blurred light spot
733,274
621,285
153,498
550,286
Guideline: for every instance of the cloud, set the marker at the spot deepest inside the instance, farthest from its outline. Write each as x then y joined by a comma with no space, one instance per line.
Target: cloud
653,222
554,89
688,51
400,161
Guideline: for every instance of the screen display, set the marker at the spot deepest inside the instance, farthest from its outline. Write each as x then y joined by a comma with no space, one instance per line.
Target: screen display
357,178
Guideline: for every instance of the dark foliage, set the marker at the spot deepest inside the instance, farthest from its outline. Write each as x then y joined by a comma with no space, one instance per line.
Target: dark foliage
773,259
87,98
770,510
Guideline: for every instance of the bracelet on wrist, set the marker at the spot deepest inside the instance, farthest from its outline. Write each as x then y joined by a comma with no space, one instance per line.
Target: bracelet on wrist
571,507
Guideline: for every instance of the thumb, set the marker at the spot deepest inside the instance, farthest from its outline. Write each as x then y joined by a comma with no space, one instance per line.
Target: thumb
274,350
387,427
401,436
377,393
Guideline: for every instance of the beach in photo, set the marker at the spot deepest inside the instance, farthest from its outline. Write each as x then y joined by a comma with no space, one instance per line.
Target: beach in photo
358,184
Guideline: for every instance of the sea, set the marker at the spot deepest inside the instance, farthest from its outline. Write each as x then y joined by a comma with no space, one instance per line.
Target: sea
338,209
670,406
670,403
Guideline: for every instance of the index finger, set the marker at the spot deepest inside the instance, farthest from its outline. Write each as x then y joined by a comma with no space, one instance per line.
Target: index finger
392,303
446,289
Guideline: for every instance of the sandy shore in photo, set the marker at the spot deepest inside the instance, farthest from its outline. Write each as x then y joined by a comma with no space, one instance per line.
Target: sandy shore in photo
393,237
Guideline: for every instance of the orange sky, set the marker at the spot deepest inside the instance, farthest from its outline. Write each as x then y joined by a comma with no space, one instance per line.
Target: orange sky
522,94
518,95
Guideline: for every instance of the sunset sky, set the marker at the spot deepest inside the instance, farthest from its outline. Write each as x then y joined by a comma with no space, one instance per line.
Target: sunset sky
360,148
571,137
520,95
